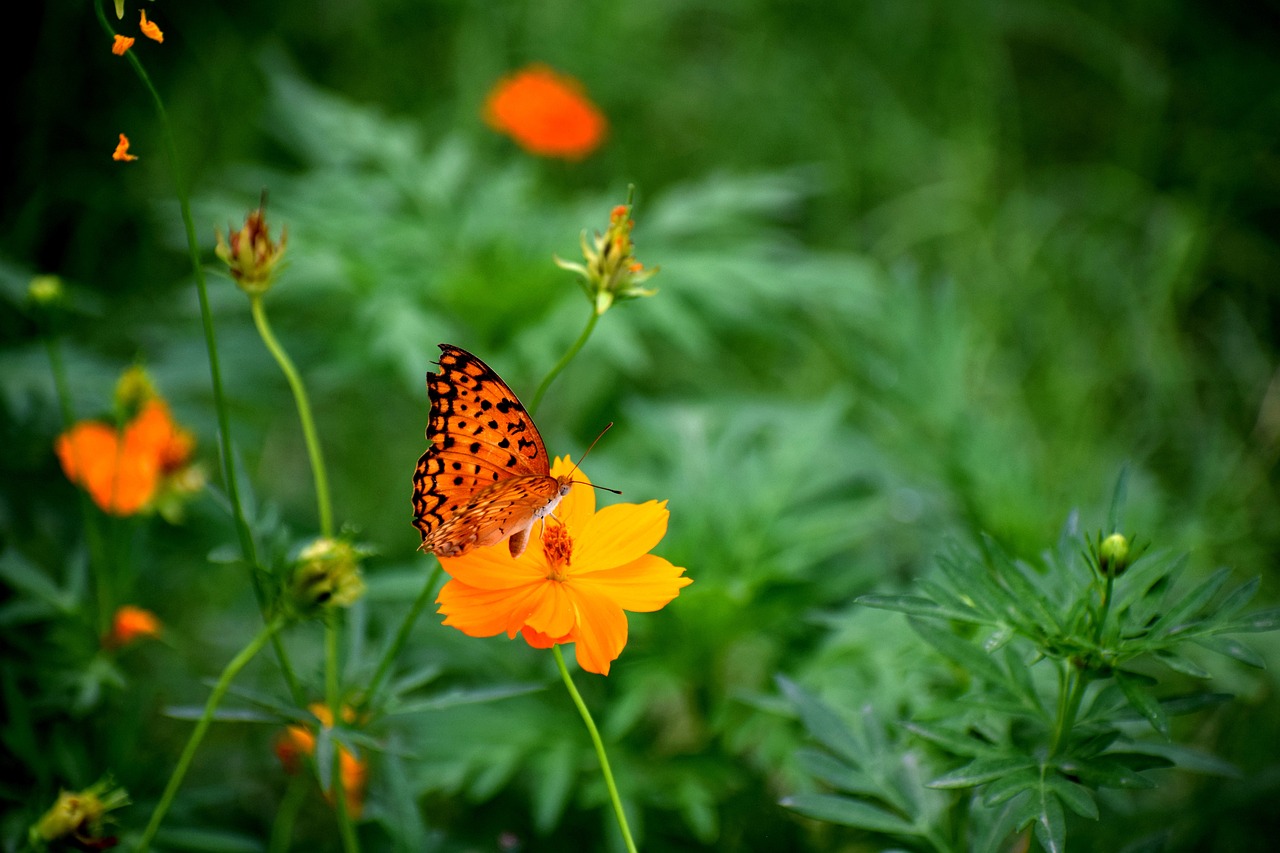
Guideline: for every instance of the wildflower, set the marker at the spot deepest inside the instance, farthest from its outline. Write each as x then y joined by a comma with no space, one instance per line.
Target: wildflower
122,150
592,567
144,465
546,113
149,29
297,742
79,817
251,254
1113,555
611,272
326,574
121,44
46,290
131,623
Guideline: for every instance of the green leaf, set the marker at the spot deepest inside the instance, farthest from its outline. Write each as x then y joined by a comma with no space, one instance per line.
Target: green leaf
1232,648
471,696
1007,787
1178,663
23,575
954,742
916,606
1050,823
1107,771
966,654
1076,797
1263,620
556,770
982,770
1189,759
828,769
823,723
1143,701
1238,598
1190,604
222,715
1117,499
849,812
207,841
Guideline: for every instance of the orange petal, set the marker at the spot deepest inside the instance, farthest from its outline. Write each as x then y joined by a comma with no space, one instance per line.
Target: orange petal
121,44
539,640
579,505
554,613
494,568
149,29
484,612
122,150
619,534
120,482
601,633
641,586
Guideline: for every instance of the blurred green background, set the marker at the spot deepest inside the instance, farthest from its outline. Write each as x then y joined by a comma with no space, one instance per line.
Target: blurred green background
928,269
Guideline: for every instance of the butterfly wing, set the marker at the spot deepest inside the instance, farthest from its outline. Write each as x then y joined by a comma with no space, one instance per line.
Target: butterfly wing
486,473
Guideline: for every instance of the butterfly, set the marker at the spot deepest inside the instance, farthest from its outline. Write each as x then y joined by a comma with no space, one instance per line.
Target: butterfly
486,476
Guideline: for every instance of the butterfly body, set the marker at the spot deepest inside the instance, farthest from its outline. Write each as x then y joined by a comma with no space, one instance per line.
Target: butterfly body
486,475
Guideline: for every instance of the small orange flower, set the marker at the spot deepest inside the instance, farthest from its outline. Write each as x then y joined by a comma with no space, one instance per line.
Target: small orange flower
122,44
125,470
132,623
591,568
296,742
546,113
149,29
122,150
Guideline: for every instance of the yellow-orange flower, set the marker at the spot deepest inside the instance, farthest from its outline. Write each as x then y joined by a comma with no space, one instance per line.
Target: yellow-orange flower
121,44
295,742
122,150
149,29
132,623
124,470
591,568
546,113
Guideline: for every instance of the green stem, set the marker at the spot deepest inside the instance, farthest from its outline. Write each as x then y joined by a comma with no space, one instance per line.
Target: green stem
243,532
202,726
287,814
563,362
333,698
599,744
304,413
1069,698
402,636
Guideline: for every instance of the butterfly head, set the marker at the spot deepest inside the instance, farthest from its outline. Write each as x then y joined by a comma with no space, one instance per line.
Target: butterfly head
564,484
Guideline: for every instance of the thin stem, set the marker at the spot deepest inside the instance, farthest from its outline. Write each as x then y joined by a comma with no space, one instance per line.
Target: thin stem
564,361
243,532
1069,698
333,698
304,413
287,814
231,670
599,744
402,636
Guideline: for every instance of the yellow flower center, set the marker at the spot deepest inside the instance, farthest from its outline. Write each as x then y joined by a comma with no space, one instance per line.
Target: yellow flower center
557,545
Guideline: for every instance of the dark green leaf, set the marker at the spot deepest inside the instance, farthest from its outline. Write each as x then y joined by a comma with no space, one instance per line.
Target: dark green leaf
1007,787
969,656
1051,823
849,812
453,698
207,841
222,715
823,723
1263,620
1189,759
1076,797
982,770
1238,598
917,606
1117,500
1191,604
1142,701
832,771
1178,663
954,742
1232,648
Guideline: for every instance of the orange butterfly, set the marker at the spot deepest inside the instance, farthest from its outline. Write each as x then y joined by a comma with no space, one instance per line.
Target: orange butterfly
486,476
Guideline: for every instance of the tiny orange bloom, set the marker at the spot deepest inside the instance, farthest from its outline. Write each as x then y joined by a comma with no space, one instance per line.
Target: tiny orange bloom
295,742
132,623
591,568
122,150
121,44
149,29
546,113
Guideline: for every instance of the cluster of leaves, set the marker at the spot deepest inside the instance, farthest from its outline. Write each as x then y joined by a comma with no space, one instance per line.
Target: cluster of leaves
1048,676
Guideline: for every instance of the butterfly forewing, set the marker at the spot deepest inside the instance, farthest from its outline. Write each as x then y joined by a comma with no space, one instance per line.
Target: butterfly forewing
486,474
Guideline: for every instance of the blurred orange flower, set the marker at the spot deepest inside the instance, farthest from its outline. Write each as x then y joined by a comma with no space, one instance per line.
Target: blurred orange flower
591,568
296,742
121,44
132,623
124,470
122,150
149,29
546,113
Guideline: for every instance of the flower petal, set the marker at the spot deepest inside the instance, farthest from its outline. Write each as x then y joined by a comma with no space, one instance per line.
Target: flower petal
554,612
618,534
577,507
641,586
601,633
483,612
494,567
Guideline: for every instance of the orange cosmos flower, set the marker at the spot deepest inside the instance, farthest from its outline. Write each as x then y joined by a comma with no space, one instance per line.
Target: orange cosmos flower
592,567
295,742
132,623
149,29
121,44
122,150
124,470
546,113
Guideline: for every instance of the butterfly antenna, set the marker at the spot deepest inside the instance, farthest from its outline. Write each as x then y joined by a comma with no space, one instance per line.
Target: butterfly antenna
584,456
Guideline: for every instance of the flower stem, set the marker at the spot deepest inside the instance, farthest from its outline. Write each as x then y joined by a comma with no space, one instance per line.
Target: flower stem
202,726
599,744
564,361
402,636
287,814
1074,684
243,532
304,414
333,698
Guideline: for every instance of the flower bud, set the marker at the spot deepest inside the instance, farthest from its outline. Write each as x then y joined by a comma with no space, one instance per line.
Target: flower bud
1113,555
251,254
611,272
46,291
326,574
79,817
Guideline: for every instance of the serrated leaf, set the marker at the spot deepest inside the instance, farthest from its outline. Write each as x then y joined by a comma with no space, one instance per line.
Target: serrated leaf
849,812
1051,823
982,770
823,723
1232,648
1076,797
1142,701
